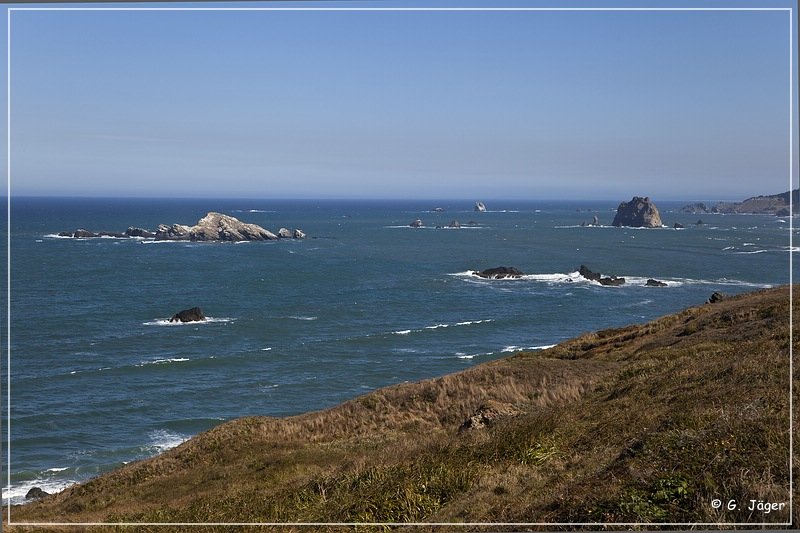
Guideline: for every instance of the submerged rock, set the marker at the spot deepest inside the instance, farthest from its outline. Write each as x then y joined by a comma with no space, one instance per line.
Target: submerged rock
655,283
638,213
454,224
416,223
500,272
195,314
677,225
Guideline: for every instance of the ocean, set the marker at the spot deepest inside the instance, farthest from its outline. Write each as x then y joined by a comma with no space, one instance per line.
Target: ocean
99,377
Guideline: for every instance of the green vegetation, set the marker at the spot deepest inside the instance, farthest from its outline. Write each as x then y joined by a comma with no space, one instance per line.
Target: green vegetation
642,424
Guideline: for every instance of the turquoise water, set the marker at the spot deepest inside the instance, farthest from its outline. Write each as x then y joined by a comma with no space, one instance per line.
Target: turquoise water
99,378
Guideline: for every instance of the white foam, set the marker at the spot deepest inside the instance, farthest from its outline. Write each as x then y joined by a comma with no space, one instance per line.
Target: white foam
15,494
437,326
163,361
510,349
166,322
542,347
266,349
58,469
753,252
402,332
728,248
56,236
300,317
468,356
162,440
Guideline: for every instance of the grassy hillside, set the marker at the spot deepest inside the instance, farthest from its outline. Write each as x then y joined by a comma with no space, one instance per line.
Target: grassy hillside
646,423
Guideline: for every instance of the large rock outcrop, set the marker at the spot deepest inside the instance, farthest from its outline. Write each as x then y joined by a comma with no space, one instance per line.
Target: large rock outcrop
219,227
638,213
195,314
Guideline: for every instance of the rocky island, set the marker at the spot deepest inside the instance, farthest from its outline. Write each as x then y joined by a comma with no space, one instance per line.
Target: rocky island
638,213
214,227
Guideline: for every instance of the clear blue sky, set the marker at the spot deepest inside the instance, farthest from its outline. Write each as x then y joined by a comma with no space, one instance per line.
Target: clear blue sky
539,105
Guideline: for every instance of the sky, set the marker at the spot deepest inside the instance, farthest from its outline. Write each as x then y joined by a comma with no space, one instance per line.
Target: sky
690,105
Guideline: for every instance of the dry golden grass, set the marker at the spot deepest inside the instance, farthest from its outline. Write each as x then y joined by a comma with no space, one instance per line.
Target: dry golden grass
641,424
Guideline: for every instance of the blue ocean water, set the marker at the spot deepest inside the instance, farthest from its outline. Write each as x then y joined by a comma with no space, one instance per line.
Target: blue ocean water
100,378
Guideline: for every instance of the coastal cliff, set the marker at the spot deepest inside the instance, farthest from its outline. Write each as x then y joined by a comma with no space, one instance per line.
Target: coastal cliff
640,424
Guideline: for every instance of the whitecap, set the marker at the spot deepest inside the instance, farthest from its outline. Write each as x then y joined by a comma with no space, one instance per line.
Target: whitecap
163,361
162,440
468,356
301,317
753,252
402,332
57,469
542,347
15,493
437,326
266,349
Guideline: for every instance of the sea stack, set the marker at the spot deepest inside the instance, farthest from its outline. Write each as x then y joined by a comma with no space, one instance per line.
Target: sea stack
638,213
480,207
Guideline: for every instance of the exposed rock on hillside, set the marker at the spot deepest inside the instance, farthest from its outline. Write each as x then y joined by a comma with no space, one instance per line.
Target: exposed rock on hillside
638,213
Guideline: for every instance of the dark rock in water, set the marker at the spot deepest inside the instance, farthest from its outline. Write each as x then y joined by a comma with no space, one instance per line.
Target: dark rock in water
677,225
139,232
195,314
501,272
416,223
638,213
699,222
611,281
83,234
298,234
284,233
480,207
595,221
488,414
655,283
35,493
454,224
716,297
